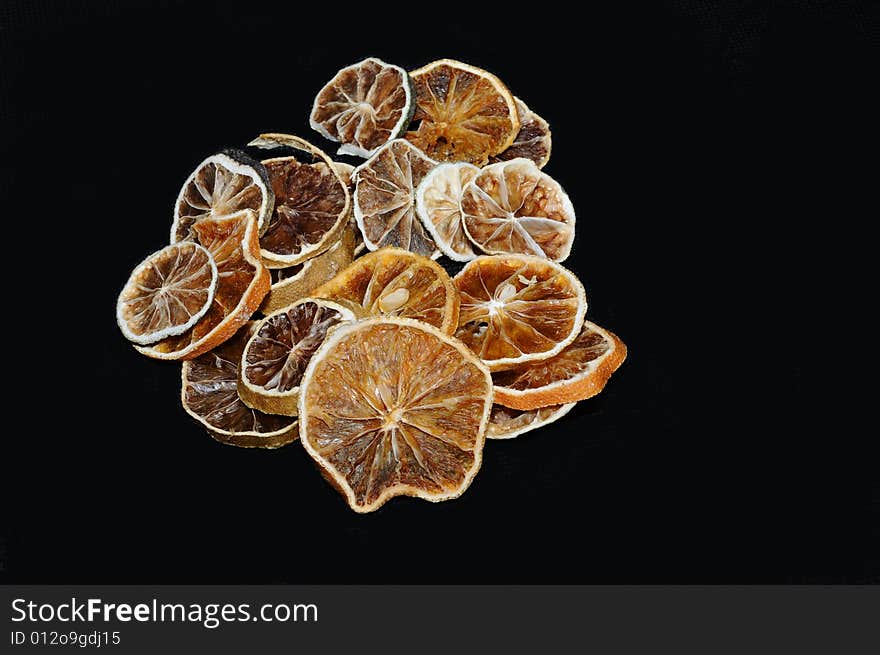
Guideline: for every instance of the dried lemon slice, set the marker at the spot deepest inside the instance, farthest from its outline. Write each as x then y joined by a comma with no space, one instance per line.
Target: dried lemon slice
385,199
533,140
579,371
394,407
395,282
507,423
463,113
222,185
516,309
209,393
276,356
512,207
364,106
438,204
167,293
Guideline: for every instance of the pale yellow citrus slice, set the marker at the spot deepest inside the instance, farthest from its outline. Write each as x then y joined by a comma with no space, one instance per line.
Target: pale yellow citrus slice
462,113
507,423
364,106
209,393
395,282
224,184
394,407
438,204
242,283
385,199
512,207
579,371
516,309
533,140
276,356
167,293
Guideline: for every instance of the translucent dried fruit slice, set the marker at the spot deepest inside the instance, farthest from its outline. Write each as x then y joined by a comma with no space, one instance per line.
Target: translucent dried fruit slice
438,203
385,199
209,393
507,423
512,207
364,106
580,371
222,185
242,283
276,356
295,282
312,202
516,309
463,113
533,140
394,407
167,293
395,282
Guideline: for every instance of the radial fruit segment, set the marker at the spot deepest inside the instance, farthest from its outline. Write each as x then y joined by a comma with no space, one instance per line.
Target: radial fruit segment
506,423
533,140
517,308
438,204
393,407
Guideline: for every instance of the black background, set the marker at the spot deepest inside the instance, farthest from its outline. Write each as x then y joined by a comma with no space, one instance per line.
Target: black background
697,141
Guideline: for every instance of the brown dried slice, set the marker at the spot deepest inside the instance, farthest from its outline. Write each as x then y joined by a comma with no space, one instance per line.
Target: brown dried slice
394,407
512,207
507,423
276,356
463,113
438,204
533,141
222,185
385,199
209,393
167,293
364,106
396,282
242,283
516,309
580,371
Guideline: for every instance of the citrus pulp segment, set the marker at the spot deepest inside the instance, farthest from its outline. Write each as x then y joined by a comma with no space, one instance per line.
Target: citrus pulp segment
506,423
438,204
533,140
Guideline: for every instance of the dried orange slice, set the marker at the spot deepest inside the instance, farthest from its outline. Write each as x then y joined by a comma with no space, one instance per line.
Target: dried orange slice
516,309
364,106
396,282
394,407
276,356
463,113
167,293
385,198
580,371
533,140
242,283
512,207
209,394
438,204
507,423
223,184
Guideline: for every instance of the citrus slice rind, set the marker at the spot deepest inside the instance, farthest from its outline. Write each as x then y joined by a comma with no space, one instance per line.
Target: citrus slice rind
209,393
396,282
438,205
364,106
167,293
312,202
533,141
276,355
579,371
512,207
393,407
242,283
518,308
385,202
462,113
507,423
222,185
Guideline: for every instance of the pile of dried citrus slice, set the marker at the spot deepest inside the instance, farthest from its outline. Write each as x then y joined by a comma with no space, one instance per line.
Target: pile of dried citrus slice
304,298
